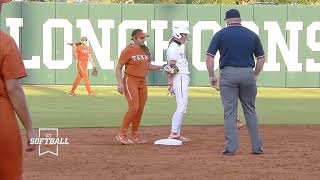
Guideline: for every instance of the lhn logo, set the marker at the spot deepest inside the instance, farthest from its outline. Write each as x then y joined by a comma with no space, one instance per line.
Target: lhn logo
49,141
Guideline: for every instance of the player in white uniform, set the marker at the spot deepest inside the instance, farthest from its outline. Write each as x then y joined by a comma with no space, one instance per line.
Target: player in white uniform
179,82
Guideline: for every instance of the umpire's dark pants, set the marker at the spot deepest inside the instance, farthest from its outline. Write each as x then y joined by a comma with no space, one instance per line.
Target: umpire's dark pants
239,82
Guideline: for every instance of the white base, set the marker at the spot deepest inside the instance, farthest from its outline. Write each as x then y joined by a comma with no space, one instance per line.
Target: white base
168,142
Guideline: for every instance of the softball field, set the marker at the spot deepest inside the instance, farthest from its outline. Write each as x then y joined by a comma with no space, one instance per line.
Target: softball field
290,130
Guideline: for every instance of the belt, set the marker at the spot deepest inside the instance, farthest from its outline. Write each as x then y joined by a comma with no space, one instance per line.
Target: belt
222,67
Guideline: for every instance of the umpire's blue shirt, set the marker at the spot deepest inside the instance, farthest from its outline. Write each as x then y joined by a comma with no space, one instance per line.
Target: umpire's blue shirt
236,45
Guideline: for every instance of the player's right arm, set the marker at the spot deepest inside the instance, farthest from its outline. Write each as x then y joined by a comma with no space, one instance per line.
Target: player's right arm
211,52
12,70
19,103
172,55
119,77
170,76
124,58
75,52
259,54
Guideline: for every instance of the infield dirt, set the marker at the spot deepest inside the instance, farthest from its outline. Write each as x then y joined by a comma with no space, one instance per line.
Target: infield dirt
291,152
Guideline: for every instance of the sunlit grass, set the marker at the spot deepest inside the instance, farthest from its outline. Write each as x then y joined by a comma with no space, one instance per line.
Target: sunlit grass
53,107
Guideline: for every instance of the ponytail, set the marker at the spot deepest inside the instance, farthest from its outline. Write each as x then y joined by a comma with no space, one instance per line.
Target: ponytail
171,40
174,40
147,51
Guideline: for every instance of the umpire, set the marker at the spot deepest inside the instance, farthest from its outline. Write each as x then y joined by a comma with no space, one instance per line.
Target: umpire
237,46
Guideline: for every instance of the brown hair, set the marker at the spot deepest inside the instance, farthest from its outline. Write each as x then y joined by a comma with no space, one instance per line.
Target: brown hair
171,40
135,32
147,51
144,47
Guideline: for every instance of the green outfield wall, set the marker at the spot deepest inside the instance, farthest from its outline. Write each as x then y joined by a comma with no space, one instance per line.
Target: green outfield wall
290,35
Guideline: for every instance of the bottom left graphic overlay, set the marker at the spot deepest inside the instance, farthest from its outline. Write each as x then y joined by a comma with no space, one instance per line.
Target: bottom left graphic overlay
49,141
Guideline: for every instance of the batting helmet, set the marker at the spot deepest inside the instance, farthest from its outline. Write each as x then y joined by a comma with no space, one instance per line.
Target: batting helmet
180,29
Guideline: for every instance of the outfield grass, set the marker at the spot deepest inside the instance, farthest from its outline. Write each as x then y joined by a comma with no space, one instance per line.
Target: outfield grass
52,107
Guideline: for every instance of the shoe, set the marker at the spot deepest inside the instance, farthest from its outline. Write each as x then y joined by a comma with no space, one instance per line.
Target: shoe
227,153
184,139
122,139
178,137
137,140
239,123
91,94
174,136
72,94
260,151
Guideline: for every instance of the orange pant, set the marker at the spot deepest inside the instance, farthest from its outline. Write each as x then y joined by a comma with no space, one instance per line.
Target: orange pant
11,147
82,73
136,92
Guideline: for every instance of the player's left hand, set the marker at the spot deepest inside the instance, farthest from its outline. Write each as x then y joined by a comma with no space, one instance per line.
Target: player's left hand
170,91
170,82
95,72
170,86
120,88
171,69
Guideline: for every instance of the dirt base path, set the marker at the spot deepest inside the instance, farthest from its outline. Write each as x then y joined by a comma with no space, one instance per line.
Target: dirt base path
291,152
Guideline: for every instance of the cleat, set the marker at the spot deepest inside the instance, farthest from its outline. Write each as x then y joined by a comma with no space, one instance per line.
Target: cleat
184,139
137,140
91,94
122,139
72,94
178,137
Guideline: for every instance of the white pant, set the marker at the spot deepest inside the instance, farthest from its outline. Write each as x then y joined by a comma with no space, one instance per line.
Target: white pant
180,89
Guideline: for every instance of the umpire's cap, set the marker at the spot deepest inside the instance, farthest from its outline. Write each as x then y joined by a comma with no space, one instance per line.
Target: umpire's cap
232,13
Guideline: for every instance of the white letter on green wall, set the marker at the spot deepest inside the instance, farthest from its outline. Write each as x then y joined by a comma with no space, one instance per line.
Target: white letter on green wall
311,65
160,44
14,24
47,43
276,38
122,31
103,52
196,38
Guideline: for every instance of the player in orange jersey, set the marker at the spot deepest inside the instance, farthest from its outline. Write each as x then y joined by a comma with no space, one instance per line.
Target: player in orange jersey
12,102
136,58
83,54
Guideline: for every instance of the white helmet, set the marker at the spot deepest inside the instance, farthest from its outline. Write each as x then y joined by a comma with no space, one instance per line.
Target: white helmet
177,30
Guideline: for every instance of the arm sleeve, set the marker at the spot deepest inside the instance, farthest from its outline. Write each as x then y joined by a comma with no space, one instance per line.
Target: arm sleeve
124,57
172,54
13,67
258,49
214,45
